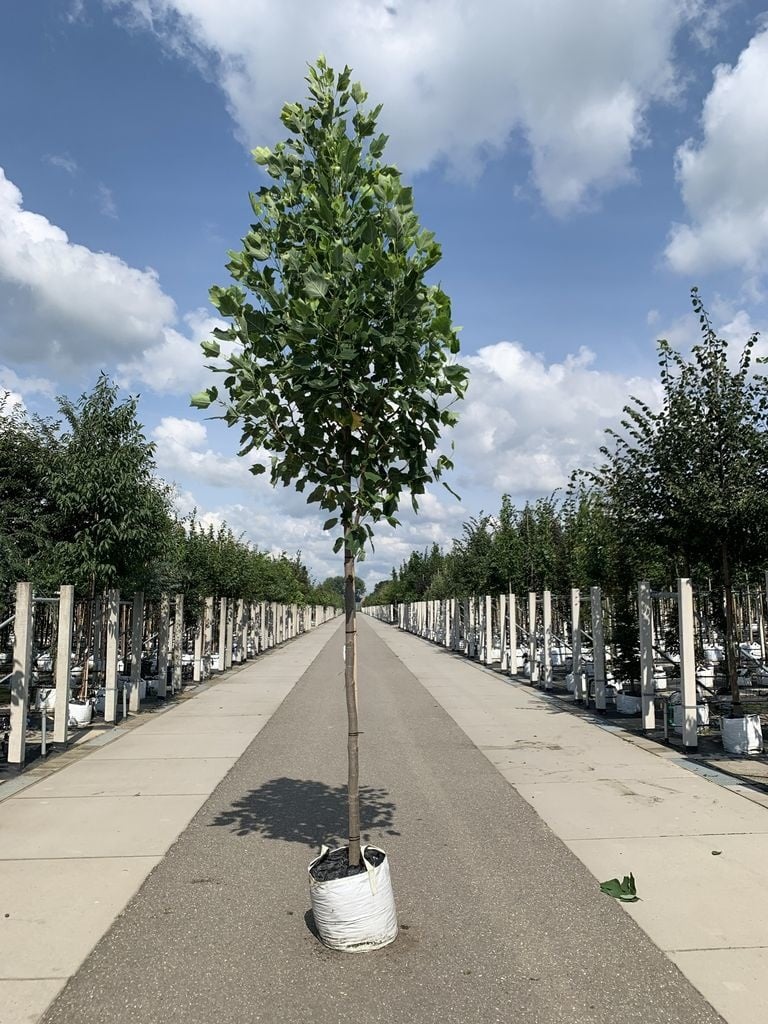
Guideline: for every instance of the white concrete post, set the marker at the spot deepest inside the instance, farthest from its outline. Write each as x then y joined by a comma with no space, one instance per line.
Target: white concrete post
578,675
504,633
687,664
207,636
63,664
178,641
647,685
197,664
22,673
110,676
163,636
546,612
514,664
262,626
532,651
222,632
598,646
488,637
137,639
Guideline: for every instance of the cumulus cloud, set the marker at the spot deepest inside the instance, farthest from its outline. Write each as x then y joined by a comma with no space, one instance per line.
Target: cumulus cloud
526,423
175,365
183,454
723,174
65,304
458,80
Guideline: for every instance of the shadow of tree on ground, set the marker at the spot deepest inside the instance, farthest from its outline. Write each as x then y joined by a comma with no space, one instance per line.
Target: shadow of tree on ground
306,811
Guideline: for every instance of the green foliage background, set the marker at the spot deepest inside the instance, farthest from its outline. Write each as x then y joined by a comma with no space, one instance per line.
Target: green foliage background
81,503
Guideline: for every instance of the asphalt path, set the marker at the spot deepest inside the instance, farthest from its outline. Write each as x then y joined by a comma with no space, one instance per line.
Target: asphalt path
499,921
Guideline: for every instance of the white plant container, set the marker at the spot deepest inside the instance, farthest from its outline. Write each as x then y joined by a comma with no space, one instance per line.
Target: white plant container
628,704
80,715
742,735
355,914
702,716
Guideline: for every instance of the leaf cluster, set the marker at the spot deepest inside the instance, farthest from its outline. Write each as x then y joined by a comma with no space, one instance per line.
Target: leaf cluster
339,361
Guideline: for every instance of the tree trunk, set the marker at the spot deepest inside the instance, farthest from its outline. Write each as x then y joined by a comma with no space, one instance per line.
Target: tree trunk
89,617
350,685
730,639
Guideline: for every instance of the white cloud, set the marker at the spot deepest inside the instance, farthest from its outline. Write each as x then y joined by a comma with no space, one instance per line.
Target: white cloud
526,424
65,304
723,175
183,455
457,79
11,381
106,200
63,162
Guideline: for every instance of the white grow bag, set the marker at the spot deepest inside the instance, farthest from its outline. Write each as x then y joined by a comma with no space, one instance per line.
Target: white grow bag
702,717
80,715
355,914
742,735
628,704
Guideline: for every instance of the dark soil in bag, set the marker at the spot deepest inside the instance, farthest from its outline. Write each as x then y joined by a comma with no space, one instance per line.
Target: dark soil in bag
336,864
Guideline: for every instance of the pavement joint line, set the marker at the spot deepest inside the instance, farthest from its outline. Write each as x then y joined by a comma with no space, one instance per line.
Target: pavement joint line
119,796
666,835
706,772
87,856
81,744
708,949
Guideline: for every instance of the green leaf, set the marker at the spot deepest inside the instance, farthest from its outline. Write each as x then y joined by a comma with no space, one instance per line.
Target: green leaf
212,349
359,95
315,285
202,399
261,154
330,523
624,890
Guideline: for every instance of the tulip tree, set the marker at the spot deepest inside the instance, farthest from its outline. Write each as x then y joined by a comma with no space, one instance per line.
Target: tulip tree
339,360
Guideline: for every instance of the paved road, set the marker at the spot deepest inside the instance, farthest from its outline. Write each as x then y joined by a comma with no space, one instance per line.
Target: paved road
500,922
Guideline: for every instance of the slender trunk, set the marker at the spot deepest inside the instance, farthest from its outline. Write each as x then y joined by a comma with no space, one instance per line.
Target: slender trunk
350,685
730,640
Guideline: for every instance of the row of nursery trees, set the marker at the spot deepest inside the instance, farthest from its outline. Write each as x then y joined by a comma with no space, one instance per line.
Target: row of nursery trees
81,503
682,490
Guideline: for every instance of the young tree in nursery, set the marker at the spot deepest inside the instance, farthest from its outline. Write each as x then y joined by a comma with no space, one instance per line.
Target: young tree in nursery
339,361
112,516
692,477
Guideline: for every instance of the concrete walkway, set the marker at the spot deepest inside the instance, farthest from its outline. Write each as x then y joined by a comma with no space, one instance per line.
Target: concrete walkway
500,922
76,846
698,850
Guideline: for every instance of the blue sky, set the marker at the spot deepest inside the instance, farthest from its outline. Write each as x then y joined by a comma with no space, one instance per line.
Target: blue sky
581,164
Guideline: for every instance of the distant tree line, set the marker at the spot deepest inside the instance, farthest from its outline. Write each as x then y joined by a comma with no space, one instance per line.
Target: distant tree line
81,503
682,490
